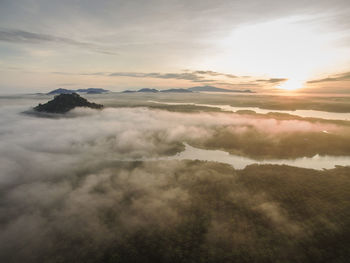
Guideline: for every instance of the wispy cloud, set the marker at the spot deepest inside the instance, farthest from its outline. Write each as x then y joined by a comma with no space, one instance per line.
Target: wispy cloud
239,85
185,76
214,73
191,76
338,77
80,74
195,76
26,37
272,80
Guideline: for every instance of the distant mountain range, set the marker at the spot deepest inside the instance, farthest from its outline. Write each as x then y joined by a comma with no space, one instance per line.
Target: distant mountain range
215,89
177,90
69,91
189,90
155,90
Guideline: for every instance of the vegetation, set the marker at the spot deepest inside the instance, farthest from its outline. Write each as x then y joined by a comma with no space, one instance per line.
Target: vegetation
274,102
75,203
247,140
69,91
258,144
191,211
65,102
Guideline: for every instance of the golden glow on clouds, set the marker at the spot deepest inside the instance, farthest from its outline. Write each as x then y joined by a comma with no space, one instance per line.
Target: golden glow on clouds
263,43
288,48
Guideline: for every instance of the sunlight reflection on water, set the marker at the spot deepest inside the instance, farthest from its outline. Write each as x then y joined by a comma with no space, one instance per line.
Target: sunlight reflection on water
239,162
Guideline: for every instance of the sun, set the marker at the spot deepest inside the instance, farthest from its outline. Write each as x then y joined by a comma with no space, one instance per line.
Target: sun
291,84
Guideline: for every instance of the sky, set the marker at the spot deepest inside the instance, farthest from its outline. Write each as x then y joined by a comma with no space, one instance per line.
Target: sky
262,45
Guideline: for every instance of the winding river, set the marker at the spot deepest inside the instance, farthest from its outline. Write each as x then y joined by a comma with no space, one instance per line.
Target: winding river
239,162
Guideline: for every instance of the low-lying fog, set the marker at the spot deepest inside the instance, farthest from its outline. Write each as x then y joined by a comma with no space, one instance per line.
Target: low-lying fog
29,144
71,192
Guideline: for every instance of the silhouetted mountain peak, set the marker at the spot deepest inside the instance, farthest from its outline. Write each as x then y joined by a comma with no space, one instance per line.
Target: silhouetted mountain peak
148,90
65,102
176,91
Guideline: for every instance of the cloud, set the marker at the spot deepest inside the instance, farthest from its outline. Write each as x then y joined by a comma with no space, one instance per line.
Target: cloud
239,85
197,76
204,81
26,37
191,34
213,73
121,134
338,77
272,80
181,76
79,184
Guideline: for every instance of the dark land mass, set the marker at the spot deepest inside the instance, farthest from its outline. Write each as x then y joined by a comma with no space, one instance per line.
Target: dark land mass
177,90
148,90
189,90
188,211
69,91
215,89
141,90
330,103
65,102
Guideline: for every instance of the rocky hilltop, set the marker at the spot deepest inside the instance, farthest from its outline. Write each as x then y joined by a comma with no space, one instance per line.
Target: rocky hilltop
65,102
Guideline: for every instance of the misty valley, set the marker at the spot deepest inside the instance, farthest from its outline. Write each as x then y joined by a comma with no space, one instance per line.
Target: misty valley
174,178
174,131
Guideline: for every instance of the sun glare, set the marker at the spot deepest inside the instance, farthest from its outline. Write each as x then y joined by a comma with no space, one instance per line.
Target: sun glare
291,84
286,47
